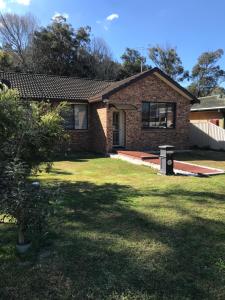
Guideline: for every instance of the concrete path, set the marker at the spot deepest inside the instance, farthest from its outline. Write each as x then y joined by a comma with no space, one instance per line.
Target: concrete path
152,160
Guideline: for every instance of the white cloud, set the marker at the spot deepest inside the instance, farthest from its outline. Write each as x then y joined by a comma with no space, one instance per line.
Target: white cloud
112,17
2,4
23,2
58,15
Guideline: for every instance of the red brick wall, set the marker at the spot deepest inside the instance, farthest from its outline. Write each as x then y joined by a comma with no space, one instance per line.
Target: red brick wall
98,127
79,140
151,88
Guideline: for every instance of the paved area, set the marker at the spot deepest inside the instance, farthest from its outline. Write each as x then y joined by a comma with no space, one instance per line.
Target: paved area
179,166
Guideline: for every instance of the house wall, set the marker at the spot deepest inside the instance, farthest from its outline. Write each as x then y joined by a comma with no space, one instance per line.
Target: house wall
98,127
207,116
94,138
79,139
150,88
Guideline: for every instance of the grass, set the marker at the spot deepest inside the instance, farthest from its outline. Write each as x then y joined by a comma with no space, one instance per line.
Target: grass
122,232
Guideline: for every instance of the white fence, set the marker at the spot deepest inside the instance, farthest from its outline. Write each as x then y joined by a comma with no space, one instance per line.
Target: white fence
206,134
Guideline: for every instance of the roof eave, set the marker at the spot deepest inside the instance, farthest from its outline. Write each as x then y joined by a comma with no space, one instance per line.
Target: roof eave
159,74
208,108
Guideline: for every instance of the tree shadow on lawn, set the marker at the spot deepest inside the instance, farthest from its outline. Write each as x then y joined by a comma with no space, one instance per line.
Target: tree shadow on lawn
79,157
112,247
103,248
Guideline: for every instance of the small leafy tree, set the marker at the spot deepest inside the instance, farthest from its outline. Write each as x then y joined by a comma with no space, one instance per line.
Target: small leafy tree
30,134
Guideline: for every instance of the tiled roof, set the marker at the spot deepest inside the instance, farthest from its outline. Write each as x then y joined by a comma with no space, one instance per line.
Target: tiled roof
115,86
40,86
208,103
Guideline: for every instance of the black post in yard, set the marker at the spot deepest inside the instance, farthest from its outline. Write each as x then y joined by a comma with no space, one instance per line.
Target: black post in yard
166,159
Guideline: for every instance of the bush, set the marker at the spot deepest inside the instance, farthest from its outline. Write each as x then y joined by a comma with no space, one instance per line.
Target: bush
30,134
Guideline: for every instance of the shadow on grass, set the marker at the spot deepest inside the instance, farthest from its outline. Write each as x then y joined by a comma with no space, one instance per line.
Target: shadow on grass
104,248
60,172
79,156
109,245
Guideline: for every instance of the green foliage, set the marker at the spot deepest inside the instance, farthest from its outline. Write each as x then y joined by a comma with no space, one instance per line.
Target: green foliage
168,61
29,131
21,202
206,74
132,61
30,134
59,49
6,60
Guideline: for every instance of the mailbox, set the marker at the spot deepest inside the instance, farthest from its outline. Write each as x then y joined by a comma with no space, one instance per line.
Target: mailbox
166,159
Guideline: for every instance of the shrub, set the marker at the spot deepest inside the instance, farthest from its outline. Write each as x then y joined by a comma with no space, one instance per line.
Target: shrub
30,134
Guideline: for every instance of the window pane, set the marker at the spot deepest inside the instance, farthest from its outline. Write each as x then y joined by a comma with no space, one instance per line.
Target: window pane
81,118
68,117
154,118
170,115
162,115
145,111
145,114
158,115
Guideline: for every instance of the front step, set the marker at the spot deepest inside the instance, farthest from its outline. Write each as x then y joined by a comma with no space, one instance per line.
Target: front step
138,154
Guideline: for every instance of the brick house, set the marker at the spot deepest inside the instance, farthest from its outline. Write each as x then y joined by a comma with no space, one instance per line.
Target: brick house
139,113
209,109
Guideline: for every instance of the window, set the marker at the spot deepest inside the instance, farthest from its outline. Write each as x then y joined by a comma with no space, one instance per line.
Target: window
158,115
76,116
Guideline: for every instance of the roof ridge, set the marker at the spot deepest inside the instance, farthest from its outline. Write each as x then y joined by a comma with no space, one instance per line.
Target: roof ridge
60,76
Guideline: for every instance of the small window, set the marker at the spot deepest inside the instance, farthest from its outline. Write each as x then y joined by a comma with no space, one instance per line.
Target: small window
76,116
158,115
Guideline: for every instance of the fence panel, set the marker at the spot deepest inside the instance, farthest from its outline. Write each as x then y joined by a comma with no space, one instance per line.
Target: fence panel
206,134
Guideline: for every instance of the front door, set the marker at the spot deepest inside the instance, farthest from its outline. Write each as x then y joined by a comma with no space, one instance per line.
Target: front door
118,128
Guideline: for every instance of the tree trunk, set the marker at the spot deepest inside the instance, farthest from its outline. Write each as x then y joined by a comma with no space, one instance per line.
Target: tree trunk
21,238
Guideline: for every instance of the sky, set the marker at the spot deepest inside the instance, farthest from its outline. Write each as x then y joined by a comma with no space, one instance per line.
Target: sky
192,26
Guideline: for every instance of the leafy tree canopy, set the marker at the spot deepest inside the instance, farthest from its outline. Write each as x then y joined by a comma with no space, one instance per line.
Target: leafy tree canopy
132,62
168,61
59,49
206,74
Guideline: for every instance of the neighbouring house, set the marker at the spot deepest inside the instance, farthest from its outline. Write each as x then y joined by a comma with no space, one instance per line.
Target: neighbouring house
209,109
139,113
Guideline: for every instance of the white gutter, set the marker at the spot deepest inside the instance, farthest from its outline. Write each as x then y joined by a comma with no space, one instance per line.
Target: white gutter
197,109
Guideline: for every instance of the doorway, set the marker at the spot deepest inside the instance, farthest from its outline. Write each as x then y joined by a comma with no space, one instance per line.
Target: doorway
118,129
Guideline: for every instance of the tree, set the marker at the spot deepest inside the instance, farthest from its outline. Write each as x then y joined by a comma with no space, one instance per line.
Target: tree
30,134
206,74
60,49
132,63
6,61
16,35
168,61
218,90
101,62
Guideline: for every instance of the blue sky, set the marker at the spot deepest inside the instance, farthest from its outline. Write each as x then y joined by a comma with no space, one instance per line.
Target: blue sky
192,26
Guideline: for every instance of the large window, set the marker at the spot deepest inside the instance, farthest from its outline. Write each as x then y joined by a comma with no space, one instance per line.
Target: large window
76,116
158,115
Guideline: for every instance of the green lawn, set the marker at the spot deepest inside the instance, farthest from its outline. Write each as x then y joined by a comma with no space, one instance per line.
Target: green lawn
123,232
